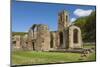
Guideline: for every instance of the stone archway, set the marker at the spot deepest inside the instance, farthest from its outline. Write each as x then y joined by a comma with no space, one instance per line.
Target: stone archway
75,38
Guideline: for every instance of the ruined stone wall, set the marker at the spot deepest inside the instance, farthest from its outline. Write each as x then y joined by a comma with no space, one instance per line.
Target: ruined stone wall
39,37
67,37
20,42
43,38
57,40
54,43
24,42
16,42
30,38
73,44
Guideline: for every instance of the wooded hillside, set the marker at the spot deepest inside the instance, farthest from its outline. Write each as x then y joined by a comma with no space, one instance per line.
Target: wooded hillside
88,27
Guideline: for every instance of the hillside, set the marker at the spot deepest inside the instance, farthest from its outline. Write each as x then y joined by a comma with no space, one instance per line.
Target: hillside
19,33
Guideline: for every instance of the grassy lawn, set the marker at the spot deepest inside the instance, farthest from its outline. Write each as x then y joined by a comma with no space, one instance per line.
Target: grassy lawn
89,46
33,57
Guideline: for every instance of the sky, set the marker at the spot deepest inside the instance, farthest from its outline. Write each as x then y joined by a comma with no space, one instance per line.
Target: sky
25,14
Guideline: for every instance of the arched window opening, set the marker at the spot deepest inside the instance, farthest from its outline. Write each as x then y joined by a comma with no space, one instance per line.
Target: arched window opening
75,36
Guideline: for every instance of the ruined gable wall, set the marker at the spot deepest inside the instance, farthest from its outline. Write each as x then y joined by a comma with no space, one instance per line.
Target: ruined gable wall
72,44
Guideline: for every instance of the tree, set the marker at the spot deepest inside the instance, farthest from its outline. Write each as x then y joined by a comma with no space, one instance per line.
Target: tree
88,27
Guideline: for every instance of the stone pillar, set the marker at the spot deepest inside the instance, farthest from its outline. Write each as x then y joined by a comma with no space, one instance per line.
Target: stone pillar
70,38
57,40
64,39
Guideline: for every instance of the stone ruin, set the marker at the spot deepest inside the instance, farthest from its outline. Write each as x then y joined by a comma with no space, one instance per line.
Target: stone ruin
39,38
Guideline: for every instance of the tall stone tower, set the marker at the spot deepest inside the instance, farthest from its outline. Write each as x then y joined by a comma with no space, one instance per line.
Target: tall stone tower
63,20
63,23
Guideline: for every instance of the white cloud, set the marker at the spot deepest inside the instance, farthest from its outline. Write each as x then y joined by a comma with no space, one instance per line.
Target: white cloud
73,19
81,12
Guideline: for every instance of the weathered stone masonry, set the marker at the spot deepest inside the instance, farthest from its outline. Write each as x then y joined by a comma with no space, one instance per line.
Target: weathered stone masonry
39,38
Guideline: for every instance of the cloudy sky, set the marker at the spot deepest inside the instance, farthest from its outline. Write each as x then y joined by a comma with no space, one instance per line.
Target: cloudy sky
24,14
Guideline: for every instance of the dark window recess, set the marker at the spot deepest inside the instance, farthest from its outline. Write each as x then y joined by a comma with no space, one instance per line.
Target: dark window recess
26,42
33,45
14,42
42,41
66,18
51,42
61,38
75,36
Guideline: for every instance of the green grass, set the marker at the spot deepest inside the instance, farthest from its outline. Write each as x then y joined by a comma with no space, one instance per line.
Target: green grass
89,46
33,57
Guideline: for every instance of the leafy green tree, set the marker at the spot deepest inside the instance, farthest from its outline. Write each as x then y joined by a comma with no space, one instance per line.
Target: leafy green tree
88,27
